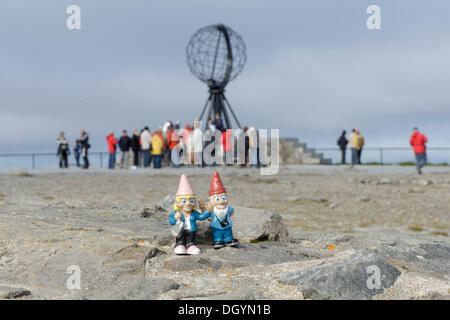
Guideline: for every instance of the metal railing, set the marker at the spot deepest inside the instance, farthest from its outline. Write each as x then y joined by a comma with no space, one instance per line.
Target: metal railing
335,153
376,154
95,158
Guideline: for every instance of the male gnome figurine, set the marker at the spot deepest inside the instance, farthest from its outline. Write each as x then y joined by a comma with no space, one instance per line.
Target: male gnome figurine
184,209
221,213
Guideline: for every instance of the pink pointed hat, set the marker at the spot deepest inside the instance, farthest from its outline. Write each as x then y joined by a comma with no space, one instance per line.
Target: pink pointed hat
184,189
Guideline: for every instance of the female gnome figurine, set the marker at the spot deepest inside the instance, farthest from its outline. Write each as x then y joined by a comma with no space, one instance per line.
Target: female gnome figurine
220,214
185,211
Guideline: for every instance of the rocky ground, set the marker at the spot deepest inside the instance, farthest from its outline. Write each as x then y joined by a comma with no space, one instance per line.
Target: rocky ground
309,232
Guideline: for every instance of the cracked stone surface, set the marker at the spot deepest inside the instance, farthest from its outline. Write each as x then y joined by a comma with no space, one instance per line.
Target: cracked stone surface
304,234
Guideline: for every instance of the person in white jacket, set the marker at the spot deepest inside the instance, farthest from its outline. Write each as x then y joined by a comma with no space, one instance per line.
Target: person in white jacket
146,139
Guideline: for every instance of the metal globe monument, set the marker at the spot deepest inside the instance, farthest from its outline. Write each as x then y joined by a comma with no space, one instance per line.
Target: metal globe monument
216,55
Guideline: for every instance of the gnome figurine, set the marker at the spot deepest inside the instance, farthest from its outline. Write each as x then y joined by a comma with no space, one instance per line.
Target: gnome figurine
185,213
220,214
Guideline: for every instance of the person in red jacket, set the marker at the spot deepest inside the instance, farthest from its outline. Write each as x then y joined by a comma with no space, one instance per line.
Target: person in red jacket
418,141
227,145
188,156
112,142
172,142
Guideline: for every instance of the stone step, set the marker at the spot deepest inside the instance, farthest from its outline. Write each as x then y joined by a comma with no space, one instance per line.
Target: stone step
293,151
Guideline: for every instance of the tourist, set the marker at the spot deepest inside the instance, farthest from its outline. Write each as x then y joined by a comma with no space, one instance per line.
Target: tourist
146,139
258,154
157,148
211,126
167,129
239,146
188,145
112,146
84,144
135,146
226,141
63,150
159,132
342,143
218,123
246,146
351,141
242,146
76,152
418,141
210,138
359,144
172,142
177,126
124,145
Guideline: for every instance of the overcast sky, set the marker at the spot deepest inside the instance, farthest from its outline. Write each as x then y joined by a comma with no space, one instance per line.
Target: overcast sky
313,68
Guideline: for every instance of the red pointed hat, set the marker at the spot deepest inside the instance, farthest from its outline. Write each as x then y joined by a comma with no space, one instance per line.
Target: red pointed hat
216,185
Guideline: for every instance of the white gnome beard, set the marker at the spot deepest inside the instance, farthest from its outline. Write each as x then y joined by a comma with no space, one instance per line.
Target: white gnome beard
221,213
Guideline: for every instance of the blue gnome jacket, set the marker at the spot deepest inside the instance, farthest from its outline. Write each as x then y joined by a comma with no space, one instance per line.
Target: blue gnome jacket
215,223
195,215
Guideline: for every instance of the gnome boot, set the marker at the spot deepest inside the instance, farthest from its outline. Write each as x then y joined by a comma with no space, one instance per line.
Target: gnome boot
180,249
218,244
232,243
193,250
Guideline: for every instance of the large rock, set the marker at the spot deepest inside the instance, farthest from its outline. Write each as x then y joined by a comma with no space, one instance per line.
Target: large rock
265,253
422,256
189,263
147,289
165,204
258,225
347,279
141,289
239,294
160,210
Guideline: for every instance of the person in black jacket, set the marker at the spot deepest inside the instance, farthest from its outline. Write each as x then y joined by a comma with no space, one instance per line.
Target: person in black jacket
76,152
124,145
342,143
63,150
246,145
218,123
84,145
135,147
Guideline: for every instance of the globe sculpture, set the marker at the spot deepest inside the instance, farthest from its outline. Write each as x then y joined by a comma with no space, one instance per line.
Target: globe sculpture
216,56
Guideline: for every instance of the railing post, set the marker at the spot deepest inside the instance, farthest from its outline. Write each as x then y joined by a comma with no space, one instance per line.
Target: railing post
381,155
101,159
33,161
